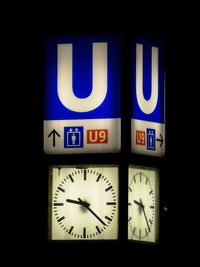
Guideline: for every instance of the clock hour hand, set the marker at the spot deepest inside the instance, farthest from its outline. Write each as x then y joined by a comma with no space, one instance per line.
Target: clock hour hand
93,213
138,203
77,202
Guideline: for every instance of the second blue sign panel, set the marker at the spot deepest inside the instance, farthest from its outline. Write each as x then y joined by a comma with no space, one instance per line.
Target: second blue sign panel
148,97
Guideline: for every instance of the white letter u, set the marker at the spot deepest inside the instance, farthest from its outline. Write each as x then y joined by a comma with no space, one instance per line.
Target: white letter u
147,106
99,89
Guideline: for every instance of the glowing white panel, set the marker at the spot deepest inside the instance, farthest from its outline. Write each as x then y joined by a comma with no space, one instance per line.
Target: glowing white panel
83,202
143,204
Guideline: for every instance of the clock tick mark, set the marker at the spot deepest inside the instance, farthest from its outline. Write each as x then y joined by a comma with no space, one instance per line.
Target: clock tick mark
70,230
58,204
108,218
98,230
140,234
70,177
85,175
60,219
98,178
107,189
110,203
146,232
84,232
61,189
134,230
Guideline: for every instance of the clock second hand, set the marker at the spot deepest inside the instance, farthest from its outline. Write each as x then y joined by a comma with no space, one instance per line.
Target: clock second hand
87,207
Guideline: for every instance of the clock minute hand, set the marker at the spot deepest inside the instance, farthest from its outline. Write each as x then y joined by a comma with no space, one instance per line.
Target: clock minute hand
145,215
87,207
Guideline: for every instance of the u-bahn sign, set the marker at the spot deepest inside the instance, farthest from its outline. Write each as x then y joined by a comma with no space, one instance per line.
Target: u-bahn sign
82,99
148,97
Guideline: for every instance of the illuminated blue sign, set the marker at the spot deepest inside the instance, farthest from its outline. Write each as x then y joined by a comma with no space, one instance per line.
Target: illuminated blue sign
148,97
82,79
82,94
148,80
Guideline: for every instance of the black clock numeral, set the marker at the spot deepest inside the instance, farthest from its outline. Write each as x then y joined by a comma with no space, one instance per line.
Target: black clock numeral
151,207
150,192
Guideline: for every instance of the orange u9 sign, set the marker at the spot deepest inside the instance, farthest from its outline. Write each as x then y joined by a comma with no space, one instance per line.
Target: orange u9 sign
140,138
97,136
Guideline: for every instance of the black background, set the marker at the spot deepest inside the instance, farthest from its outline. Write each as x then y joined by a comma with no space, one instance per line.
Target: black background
25,167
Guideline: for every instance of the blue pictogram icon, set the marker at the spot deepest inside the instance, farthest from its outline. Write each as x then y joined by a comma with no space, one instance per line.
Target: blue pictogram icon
73,137
151,139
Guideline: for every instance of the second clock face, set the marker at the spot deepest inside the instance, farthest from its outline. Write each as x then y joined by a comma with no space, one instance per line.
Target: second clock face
143,204
84,203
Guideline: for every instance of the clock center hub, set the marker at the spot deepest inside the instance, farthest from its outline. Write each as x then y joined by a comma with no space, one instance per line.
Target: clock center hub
83,208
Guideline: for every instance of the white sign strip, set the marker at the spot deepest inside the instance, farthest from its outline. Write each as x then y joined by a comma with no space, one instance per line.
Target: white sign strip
82,136
148,138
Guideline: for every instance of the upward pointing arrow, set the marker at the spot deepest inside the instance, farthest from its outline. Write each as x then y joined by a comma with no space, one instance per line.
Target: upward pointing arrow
54,133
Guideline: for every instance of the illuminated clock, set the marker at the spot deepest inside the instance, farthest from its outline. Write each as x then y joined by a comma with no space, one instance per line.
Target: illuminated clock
83,202
143,204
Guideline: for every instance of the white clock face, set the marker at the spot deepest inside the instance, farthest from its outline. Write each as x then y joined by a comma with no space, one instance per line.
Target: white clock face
83,203
143,204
